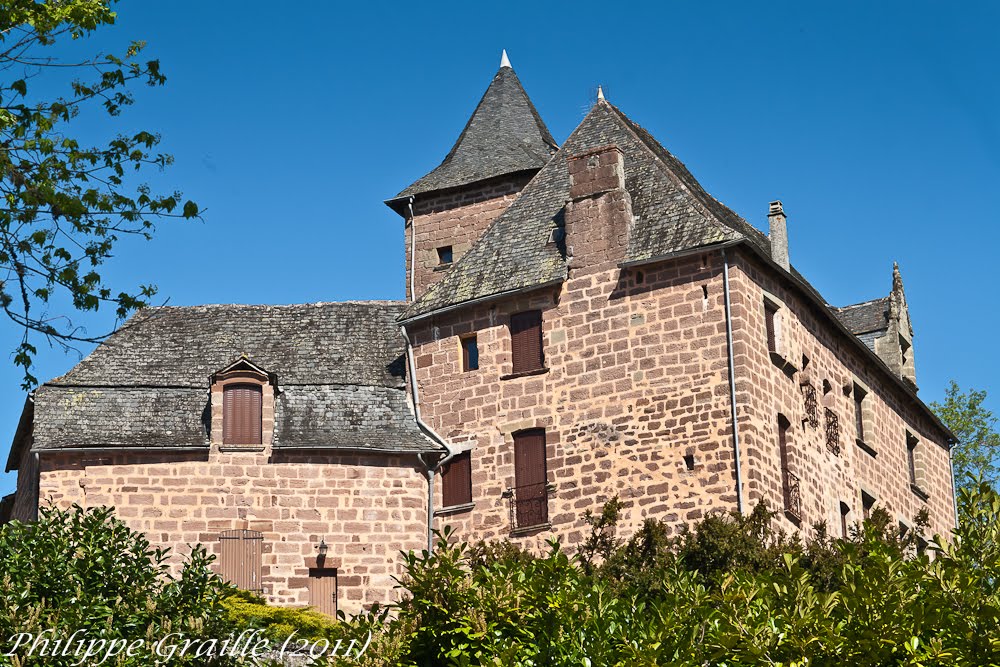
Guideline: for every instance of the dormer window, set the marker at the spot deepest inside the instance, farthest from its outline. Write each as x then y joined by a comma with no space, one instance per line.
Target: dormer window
241,414
242,406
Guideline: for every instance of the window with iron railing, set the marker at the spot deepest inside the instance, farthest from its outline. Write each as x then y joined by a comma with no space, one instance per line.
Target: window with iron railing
529,497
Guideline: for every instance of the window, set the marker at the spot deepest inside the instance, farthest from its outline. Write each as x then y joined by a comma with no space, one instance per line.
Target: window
845,510
456,480
867,504
240,558
526,341
470,353
791,490
832,431
241,405
915,466
864,432
530,492
770,313
911,457
444,255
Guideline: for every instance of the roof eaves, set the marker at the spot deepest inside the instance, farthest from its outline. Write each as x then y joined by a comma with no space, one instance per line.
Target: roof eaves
482,299
24,425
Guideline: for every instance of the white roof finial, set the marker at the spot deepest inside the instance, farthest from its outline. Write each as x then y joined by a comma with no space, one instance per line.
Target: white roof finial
600,92
504,61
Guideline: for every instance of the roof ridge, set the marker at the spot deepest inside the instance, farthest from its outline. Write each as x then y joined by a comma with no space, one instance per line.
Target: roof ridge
350,302
860,303
683,176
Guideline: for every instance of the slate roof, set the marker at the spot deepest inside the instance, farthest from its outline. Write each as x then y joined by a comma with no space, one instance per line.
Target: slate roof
505,135
519,250
339,370
861,318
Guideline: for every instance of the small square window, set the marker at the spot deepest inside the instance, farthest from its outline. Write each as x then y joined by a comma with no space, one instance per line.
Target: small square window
444,255
470,353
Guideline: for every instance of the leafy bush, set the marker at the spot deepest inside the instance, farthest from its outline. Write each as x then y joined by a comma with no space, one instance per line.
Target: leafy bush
84,571
246,610
732,591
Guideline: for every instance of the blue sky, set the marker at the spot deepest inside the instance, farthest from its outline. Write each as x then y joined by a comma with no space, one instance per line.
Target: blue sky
877,125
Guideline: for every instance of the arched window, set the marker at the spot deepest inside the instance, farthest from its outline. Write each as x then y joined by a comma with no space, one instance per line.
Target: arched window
241,418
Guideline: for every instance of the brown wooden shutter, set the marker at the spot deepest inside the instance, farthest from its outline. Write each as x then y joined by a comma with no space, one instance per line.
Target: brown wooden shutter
323,590
526,341
530,478
240,558
769,312
241,405
457,480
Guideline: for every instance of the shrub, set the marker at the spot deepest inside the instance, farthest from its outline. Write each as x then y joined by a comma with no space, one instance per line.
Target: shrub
83,570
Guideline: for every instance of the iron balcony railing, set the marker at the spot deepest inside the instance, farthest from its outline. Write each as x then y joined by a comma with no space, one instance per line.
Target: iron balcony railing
793,494
529,505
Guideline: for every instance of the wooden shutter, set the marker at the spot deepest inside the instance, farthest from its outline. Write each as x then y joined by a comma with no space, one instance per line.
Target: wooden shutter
526,341
530,478
323,590
457,480
240,558
241,405
769,312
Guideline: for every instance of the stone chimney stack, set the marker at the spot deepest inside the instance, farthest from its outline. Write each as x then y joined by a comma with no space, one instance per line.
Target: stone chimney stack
778,233
599,212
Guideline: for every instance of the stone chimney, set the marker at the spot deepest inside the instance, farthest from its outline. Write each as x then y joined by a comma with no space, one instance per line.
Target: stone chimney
778,233
599,212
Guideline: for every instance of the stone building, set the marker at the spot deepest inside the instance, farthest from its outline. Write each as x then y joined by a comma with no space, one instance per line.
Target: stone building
582,321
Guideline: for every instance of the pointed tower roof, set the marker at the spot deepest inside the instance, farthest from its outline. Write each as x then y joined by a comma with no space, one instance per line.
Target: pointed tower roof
505,135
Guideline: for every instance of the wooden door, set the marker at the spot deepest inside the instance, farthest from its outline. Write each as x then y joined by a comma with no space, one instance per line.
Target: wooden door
530,495
323,590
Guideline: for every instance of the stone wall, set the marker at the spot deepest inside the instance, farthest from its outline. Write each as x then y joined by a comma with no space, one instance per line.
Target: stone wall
455,218
636,381
815,358
366,507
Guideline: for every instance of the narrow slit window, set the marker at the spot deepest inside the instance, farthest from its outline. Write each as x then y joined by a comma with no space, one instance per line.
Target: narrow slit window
770,313
470,353
867,504
859,412
845,510
911,457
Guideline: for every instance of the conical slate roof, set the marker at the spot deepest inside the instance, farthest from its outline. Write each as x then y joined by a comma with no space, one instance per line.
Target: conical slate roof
672,212
505,135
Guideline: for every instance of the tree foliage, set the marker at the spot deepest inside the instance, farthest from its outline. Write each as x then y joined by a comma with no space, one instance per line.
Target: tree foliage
83,570
731,591
65,202
974,456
